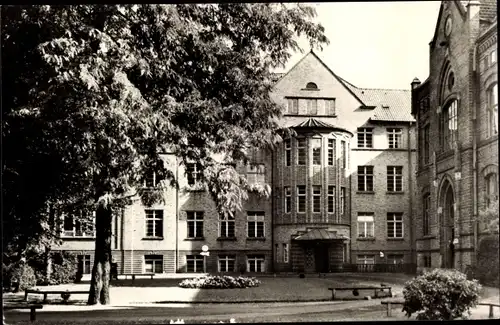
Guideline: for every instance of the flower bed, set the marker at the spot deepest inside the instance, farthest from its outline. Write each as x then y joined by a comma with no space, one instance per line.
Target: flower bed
219,282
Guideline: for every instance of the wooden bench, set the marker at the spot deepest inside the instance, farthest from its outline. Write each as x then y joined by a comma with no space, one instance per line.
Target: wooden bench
390,303
47,292
355,292
491,307
133,275
32,308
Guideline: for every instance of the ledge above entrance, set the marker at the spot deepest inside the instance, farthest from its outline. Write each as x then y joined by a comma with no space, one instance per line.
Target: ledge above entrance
320,234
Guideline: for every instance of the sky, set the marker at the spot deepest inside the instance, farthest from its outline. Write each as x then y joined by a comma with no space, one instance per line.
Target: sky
376,44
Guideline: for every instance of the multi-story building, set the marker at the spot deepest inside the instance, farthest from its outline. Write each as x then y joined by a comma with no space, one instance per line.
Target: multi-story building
343,192
456,110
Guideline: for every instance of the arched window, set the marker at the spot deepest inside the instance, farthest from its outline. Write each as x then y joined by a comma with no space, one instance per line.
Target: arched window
492,108
451,81
311,85
491,188
449,125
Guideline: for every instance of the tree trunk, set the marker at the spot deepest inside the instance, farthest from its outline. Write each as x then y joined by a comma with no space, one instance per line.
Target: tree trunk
99,285
48,263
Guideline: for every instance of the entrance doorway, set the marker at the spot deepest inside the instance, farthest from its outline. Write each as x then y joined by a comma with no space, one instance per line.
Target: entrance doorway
321,257
447,225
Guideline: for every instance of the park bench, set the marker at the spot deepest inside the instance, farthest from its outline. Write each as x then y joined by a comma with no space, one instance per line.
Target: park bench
376,289
32,308
63,293
390,303
491,307
133,275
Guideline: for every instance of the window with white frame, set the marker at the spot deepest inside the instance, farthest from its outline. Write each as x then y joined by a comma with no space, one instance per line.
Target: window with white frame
395,178
342,201
365,178
194,224
331,199
331,152
255,263
343,154
84,264
395,225
288,152
194,263
301,199
194,173
426,214
226,227
366,259
301,151
365,138
394,138
493,57
154,223
256,173
492,94
316,151
288,199
285,253
78,225
293,106
491,188
153,263
366,225
152,179
312,106
395,258
316,199
330,107
255,224
227,263
449,127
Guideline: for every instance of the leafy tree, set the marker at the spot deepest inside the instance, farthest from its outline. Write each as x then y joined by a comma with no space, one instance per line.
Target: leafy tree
98,92
490,217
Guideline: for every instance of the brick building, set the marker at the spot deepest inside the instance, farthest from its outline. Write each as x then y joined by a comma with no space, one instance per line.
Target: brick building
456,110
343,192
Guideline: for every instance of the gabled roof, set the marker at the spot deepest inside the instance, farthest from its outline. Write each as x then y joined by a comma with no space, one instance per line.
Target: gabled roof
315,124
320,234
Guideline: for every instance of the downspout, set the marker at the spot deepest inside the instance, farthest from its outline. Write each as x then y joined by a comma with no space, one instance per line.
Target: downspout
410,201
273,249
122,251
474,160
176,217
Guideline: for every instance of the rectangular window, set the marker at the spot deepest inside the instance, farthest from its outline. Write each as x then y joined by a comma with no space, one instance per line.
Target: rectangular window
194,263
331,199
331,151
365,138
316,198
256,173
227,263
195,224
312,106
426,214
255,224
84,264
301,199
395,225
449,125
492,94
293,106
78,225
395,259
427,261
288,152
153,263
366,259
366,225
301,151
255,263
288,199
152,179
154,223
395,178
226,227
365,178
285,253
493,57
394,138
342,201
330,107
426,146
316,151
193,172
343,154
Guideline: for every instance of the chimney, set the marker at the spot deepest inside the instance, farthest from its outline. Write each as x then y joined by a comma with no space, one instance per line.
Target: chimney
473,9
415,83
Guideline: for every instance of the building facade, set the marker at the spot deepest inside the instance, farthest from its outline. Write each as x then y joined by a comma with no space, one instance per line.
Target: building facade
343,192
456,110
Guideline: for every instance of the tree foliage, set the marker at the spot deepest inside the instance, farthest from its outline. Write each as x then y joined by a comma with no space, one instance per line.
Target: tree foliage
94,94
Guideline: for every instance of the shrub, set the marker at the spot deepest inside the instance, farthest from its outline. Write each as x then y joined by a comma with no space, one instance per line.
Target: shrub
440,295
64,269
487,268
24,276
219,282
